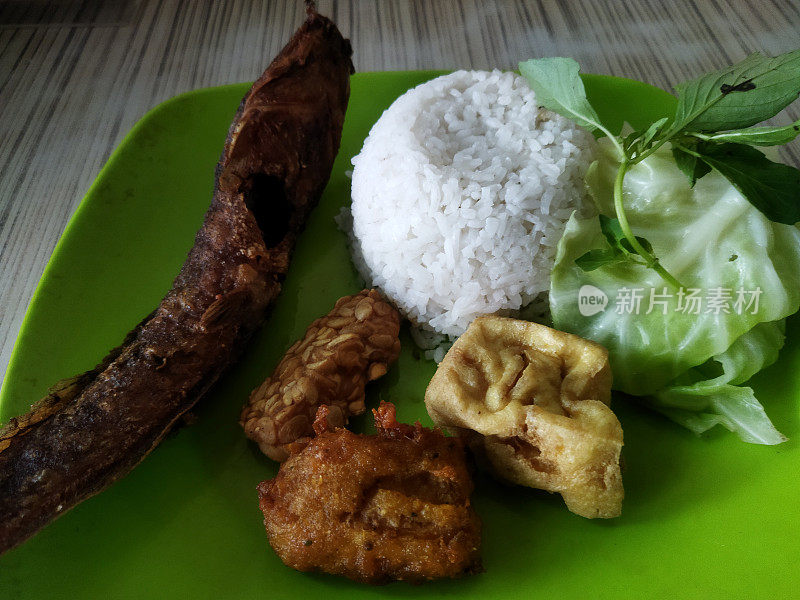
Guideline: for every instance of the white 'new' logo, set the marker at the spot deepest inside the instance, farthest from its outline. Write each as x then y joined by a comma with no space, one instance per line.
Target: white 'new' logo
591,300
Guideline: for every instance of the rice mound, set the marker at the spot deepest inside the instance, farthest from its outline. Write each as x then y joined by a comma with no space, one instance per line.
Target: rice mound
460,196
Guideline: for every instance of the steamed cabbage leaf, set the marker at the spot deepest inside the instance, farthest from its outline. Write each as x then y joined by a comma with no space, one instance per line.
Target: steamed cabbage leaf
704,403
702,406
687,350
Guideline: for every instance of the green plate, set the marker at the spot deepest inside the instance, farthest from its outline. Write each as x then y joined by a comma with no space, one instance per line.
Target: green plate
703,517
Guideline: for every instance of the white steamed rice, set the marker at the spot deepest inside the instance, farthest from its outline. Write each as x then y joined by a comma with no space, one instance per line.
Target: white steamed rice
460,196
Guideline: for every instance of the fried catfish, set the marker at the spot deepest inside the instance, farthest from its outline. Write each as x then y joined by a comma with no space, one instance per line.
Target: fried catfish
374,508
93,429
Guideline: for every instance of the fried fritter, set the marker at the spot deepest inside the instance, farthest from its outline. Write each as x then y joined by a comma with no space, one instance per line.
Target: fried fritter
374,508
534,402
353,344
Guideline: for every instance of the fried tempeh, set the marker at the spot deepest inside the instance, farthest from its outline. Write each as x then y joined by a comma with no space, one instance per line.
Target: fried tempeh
93,429
339,353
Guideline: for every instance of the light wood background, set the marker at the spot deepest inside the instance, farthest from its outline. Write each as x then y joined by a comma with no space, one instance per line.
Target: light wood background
75,75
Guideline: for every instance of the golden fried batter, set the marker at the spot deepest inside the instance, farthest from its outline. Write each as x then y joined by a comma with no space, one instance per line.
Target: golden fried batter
374,508
534,402
340,352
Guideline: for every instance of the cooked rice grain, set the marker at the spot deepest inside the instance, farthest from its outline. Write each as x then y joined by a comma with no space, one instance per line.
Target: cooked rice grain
460,196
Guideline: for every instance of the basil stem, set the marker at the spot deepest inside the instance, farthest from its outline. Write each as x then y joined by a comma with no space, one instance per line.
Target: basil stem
619,208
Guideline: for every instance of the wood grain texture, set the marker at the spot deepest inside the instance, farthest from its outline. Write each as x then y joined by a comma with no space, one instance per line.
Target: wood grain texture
75,75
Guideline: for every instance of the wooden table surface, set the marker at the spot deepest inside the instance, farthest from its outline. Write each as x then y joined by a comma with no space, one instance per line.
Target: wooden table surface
75,75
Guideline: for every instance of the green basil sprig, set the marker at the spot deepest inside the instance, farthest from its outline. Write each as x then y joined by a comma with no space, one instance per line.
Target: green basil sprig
711,129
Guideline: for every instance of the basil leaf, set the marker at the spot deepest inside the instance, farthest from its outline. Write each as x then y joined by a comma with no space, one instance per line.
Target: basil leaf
594,259
640,140
645,244
651,133
693,168
738,96
629,140
773,188
757,136
559,88
612,231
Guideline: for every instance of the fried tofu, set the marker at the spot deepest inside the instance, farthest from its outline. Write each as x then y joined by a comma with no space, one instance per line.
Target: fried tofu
374,508
534,403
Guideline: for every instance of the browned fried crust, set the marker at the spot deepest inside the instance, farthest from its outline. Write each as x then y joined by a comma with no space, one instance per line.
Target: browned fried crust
95,428
339,353
393,506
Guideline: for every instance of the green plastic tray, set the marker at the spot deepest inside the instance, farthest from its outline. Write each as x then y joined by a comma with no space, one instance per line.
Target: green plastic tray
703,517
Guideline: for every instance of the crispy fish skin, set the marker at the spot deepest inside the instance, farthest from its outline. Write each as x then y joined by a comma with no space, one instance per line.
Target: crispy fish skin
93,429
